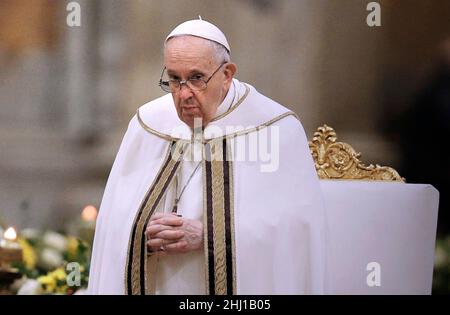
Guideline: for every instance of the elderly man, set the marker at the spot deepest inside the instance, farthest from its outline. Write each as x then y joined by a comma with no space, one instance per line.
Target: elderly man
213,190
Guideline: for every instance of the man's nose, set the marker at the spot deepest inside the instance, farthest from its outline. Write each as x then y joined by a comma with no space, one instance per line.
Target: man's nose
185,92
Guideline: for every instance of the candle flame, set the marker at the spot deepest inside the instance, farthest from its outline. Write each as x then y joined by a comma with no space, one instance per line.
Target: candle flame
89,214
10,234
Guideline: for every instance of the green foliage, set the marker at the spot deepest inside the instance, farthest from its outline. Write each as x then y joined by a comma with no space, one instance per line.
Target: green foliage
441,275
46,256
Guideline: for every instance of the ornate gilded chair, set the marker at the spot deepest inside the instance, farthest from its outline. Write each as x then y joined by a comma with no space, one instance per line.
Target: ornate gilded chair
381,231
338,160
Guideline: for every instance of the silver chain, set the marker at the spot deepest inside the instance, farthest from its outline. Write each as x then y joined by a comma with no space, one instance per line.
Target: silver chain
175,206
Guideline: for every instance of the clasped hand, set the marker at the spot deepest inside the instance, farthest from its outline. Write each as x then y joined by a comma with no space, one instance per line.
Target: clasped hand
172,234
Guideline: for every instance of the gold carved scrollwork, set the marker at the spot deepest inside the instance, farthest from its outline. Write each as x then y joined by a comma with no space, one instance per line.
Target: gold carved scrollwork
338,160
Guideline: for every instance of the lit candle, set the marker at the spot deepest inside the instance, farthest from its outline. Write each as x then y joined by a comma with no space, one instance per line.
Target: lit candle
10,250
87,228
9,238
89,214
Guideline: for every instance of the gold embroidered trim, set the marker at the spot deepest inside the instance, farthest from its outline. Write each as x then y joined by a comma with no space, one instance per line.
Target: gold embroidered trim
134,222
151,264
205,221
219,219
170,138
239,102
220,263
236,134
262,126
153,131
140,220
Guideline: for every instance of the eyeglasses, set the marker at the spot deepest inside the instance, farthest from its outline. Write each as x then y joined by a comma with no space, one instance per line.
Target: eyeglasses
195,83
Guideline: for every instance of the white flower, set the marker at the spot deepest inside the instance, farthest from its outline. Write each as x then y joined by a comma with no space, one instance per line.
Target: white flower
55,240
51,258
30,287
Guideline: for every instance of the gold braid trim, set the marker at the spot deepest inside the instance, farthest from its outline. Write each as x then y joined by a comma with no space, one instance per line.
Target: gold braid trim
220,263
157,190
153,131
233,107
262,126
170,138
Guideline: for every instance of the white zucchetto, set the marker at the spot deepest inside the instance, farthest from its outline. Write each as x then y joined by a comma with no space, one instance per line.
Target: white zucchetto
200,28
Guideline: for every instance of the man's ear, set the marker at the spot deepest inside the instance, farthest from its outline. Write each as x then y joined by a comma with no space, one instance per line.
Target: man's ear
230,71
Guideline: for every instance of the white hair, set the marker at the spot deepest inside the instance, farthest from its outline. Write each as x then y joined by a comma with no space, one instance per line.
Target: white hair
221,54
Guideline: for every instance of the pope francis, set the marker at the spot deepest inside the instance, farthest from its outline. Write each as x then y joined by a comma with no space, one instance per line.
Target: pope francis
213,190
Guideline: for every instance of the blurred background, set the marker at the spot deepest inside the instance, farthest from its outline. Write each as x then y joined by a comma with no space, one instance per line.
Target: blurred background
68,93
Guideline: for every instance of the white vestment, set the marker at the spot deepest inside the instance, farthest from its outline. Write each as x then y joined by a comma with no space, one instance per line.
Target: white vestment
277,231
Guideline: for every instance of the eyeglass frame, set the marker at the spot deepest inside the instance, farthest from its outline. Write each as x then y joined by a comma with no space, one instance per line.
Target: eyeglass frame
181,82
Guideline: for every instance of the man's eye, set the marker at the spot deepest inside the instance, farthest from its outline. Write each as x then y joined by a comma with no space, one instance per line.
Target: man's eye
197,77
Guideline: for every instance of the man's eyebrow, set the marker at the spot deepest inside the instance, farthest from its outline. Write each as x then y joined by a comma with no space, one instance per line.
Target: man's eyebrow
171,72
196,71
193,71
